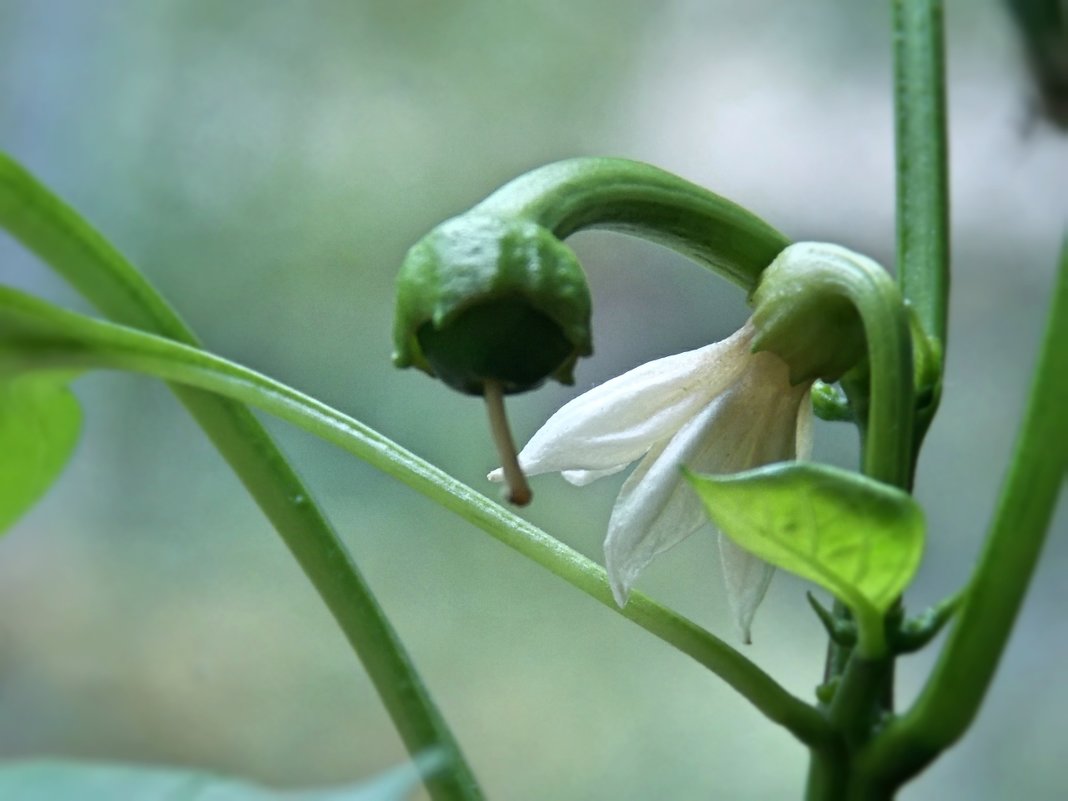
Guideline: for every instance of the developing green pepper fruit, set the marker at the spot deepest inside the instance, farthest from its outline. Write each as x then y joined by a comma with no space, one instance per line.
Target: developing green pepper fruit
492,307
483,299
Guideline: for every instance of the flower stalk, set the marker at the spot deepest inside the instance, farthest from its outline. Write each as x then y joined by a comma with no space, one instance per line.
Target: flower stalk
641,200
519,492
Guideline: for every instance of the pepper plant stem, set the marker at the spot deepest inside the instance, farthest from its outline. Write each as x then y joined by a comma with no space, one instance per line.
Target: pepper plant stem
922,192
922,172
953,694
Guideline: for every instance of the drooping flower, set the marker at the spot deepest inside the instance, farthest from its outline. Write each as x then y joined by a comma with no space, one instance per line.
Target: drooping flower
717,409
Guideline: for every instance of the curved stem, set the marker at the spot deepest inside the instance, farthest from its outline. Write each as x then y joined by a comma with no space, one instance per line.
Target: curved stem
47,226
821,307
44,336
882,390
950,700
884,400
888,423
642,200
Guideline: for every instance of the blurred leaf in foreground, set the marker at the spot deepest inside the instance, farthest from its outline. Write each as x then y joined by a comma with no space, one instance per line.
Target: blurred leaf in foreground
50,780
39,424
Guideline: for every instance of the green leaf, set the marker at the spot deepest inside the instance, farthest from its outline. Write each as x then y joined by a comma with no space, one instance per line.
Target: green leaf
49,780
858,538
39,424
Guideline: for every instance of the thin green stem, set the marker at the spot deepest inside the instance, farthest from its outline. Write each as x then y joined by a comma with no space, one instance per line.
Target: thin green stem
838,654
952,696
642,200
922,172
47,226
43,336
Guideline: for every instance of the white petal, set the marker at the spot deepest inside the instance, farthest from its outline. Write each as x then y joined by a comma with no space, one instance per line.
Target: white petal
754,422
763,419
625,551
580,478
746,578
654,511
618,421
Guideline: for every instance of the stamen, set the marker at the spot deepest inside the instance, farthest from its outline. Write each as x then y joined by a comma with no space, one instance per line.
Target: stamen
518,490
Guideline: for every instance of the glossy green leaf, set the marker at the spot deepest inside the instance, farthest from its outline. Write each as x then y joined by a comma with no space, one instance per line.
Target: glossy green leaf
858,538
49,780
39,424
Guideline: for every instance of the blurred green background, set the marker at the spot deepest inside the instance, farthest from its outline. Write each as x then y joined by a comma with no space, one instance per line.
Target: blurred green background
268,163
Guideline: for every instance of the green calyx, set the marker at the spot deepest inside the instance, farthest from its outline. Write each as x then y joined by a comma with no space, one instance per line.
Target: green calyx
831,313
805,311
482,298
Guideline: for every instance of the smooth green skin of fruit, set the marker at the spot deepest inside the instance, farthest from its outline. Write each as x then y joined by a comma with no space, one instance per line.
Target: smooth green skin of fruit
482,298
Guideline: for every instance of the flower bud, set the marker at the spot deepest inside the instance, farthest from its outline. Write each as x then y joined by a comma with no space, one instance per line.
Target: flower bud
486,299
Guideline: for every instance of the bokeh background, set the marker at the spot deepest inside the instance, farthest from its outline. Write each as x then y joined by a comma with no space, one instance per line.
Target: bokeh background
268,163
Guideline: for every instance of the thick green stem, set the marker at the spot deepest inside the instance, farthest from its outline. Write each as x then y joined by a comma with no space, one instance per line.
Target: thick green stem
949,702
642,200
828,774
44,336
922,172
47,226
858,702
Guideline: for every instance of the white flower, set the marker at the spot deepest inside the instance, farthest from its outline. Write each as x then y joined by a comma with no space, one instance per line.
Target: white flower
717,409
